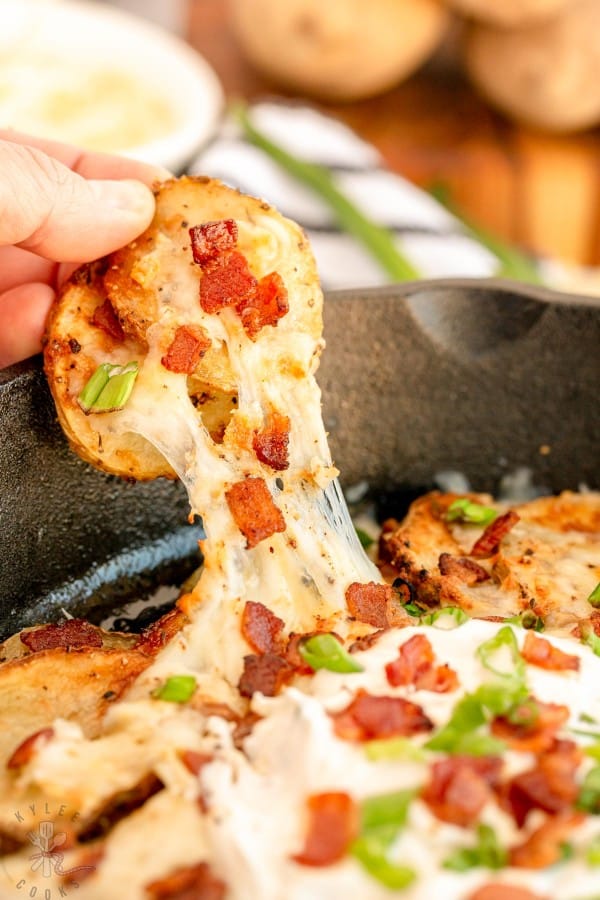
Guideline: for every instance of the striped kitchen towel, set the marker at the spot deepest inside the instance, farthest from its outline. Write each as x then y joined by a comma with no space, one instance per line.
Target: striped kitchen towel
431,238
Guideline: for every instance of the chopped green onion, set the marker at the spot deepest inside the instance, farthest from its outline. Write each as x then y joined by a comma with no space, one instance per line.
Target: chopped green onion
567,851
385,809
487,853
589,795
594,597
527,619
176,689
382,818
593,751
447,618
382,749
109,388
365,539
413,610
592,856
323,651
589,637
491,651
585,717
464,510
371,851
380,242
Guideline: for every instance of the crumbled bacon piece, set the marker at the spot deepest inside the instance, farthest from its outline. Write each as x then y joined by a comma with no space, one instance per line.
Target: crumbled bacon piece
376,604
271,444
292,651
159,633
27,749
188,346
466,570
489,541
416,665
105,318
189,883
460,786
194,761
262,628
366,641
244,727
539,652
543,847
536,731
72,633
228,282
212,239
368,717
550,785
118,807
265,306
253,510
333,823
266,673
504,891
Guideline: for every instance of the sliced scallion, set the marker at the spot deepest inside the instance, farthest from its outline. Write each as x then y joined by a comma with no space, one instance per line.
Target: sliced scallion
447,618
371,851
109,388
365,539
382,819
592,856
465,510
487,852
324,651
589,795
385,809
594,597
589,637
491,654
176,689
382,749
528,620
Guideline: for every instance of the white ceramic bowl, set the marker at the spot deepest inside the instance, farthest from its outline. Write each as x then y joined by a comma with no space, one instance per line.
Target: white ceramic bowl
98,77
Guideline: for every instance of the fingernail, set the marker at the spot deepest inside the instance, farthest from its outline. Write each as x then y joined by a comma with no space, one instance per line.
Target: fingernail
125,196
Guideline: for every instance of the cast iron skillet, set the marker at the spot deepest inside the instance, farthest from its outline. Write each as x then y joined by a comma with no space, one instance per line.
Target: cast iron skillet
478,376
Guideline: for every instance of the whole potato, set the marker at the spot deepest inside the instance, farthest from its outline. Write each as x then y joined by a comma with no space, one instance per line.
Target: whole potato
508,13
338,49
547,74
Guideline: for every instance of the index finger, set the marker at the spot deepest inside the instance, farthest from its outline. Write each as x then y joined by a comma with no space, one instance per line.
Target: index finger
89,164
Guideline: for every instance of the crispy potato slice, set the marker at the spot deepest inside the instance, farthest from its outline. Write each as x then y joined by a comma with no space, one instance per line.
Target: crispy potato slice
77,685
153,286
13,647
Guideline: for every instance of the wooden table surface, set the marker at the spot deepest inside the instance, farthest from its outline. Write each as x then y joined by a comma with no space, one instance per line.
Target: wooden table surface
540,191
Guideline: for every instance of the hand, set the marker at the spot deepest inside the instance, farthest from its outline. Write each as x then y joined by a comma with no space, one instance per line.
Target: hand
59,205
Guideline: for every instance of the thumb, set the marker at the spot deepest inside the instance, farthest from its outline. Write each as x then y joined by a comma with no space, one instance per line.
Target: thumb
52,211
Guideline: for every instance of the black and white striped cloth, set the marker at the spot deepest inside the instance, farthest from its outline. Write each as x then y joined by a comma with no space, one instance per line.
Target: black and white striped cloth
432,239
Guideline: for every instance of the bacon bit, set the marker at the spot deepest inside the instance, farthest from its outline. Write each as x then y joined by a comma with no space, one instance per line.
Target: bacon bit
375,604
266,306
212,239
159,633
190,883
550,786
69,634
489,541
333,823
543,846
253,510
118,807
292,651
262,628
186,350
539,652
194,761
504,892
105,318
366,641
27,749
228,282
466,570
460,787
244,727
271,444
536,735
368,717
85,866
415,665
266,673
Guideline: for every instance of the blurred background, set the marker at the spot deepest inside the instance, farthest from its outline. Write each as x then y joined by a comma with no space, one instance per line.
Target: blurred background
493,105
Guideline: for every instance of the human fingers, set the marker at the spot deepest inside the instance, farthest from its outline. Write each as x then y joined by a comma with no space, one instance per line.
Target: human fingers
23,312
55,212
88,164
22,267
